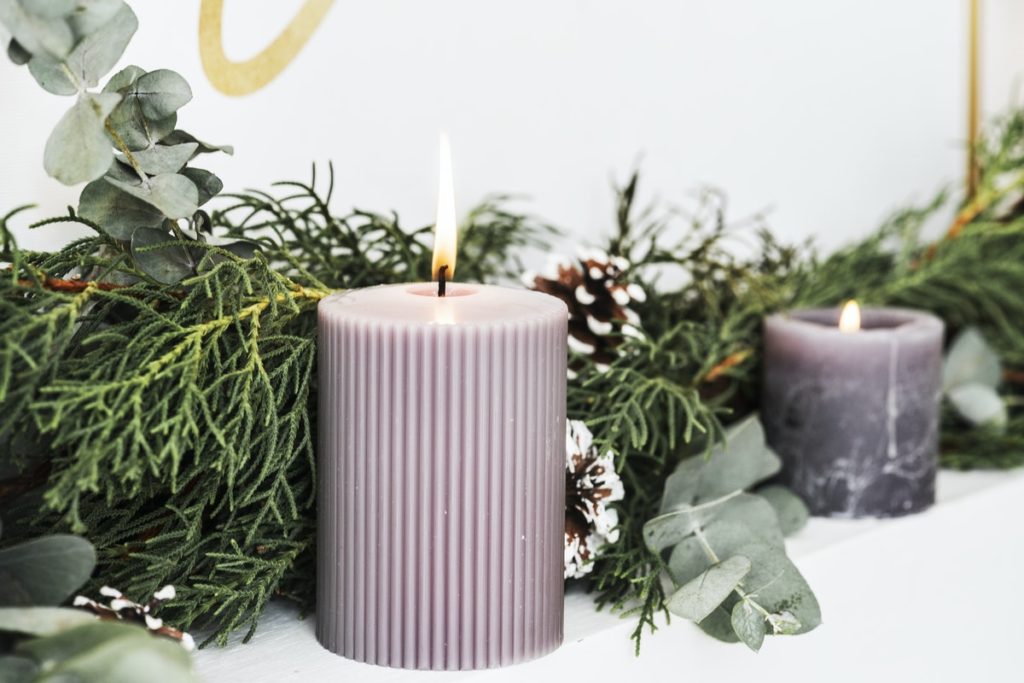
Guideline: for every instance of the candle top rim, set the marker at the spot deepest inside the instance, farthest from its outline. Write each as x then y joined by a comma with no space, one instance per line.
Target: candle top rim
470,305
876,321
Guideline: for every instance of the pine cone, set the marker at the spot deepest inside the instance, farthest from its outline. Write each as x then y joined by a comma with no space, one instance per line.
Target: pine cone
120,608
591,483
596,290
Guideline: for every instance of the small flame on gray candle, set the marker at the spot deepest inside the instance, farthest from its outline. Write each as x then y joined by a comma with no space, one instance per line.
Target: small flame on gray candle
849,318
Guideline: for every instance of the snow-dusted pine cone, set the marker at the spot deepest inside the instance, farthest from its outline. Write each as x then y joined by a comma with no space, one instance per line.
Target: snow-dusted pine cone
591,483
598,294
120,608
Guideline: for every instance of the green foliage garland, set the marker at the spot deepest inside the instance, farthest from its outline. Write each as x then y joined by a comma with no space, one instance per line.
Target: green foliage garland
219,368
157,378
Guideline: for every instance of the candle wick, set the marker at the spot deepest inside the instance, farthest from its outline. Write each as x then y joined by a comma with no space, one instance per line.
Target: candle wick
441,280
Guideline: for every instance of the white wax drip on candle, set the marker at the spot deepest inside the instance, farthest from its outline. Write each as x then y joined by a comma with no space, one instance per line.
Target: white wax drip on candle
891,404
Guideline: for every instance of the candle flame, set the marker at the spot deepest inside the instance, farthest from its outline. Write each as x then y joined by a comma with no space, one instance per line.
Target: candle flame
849,319
445,231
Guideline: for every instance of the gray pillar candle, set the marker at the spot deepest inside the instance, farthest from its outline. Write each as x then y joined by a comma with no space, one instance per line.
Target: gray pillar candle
442,475
854,415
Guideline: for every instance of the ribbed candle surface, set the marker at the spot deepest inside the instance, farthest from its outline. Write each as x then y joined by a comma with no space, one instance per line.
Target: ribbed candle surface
441,471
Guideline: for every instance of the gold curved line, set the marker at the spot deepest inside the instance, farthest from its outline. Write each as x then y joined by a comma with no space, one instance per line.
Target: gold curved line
242,78
973,43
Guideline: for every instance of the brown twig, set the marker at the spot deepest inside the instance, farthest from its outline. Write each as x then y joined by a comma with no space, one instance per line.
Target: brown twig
730,361
1014,376
966,215
57,284
972,210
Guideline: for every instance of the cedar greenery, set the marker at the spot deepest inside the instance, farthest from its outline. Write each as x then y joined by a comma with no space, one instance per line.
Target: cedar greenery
174,423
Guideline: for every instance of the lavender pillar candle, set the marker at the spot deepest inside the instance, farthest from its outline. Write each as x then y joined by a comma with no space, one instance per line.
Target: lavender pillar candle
854,415
441,509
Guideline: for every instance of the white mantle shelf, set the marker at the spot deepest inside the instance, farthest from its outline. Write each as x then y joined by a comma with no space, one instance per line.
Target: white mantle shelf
933,597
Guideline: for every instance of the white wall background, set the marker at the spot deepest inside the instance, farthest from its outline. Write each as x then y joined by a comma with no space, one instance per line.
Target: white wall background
829,112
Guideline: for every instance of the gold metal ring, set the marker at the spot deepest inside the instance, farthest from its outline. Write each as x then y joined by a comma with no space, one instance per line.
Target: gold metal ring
242,78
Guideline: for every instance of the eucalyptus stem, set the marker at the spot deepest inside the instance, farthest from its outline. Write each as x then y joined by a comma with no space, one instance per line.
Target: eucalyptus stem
129,157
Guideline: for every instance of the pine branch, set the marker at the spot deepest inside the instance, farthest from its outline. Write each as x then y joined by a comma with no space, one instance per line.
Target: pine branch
305,240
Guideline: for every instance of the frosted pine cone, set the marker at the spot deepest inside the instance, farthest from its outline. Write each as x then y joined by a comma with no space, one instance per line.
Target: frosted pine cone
595,289
120,608
591,483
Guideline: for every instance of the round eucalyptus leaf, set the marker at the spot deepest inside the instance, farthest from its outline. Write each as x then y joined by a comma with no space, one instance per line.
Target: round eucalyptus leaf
124,79
14,669
121,171
689,557
42,621
52,75
971,361
163,158
110,652
752,513
162,93
173,194
98,51
718,624
773,578
77,150
749,624
129,119
45,570
206,183
18,54
978,404
665,531
180,136
117,212
158,255
242,248
791,511
779,587
50,9
696,599
134,131
90,15
741,461
202,224
36,34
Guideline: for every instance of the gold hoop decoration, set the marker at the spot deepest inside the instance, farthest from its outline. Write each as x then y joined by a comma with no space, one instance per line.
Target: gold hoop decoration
242,78
973,105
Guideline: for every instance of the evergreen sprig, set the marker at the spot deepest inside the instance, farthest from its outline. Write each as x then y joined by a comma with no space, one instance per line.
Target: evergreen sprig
303,238
175,420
